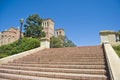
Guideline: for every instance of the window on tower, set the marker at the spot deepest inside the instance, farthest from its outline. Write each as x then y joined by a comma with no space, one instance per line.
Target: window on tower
47,24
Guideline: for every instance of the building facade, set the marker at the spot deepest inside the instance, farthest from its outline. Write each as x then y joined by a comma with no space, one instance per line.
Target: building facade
48,27
109,36
59,32
13,34
9,36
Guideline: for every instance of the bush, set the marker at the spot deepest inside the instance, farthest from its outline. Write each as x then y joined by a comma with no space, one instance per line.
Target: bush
17,47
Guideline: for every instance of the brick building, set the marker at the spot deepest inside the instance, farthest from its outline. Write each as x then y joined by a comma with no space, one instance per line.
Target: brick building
9,36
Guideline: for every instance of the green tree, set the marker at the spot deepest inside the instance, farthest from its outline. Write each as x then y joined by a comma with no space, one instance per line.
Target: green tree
68,43
33,27
55,42
61,41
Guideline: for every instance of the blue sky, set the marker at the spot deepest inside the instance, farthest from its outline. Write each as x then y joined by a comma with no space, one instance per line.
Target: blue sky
81,19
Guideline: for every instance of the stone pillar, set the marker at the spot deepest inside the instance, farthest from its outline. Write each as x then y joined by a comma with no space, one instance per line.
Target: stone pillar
45,43
107,36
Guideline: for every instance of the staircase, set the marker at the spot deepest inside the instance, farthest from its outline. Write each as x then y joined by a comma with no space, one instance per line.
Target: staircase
74,63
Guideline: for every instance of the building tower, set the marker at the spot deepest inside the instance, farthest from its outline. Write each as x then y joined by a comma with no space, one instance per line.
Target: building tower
59,32
48,27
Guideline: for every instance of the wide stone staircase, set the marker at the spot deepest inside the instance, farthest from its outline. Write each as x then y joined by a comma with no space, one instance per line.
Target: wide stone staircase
73,63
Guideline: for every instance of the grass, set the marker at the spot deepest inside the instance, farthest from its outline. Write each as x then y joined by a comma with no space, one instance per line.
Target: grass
117,49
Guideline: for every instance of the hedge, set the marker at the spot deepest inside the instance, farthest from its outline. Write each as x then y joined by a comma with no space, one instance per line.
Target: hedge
19,46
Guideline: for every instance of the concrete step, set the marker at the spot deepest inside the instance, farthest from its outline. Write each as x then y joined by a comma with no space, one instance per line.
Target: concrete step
61,60
62,70
62,63
76,63
54,74
60,56
4,79
67,54
71,57
60,66
6,76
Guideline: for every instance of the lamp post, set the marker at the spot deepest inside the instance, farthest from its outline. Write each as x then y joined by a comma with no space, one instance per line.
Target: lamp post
21,23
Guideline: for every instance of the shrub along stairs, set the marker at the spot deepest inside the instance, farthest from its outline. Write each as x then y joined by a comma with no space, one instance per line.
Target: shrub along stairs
74,63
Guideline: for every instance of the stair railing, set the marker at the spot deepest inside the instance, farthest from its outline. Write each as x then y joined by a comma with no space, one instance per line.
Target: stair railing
113,61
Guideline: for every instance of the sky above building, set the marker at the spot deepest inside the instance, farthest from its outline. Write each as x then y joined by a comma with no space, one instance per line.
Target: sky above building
81,19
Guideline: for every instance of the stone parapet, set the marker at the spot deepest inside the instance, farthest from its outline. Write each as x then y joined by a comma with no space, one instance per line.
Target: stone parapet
113,62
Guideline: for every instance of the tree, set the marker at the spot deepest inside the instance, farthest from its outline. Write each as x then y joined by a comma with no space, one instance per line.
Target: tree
33,27
55,42
67,42
61,41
